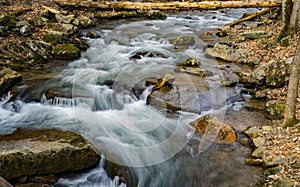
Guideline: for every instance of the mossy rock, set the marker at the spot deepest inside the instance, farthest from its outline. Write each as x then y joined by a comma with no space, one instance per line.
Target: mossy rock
191,62
66,52
8,21
155,14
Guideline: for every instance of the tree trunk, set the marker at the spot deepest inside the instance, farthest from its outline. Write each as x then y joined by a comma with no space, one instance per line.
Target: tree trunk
178,6
291,100
295,17
287,7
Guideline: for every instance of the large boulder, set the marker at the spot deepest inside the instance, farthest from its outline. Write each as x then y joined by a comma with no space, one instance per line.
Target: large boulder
184,42
211,125
279,72
227,53
41,152
8,78
189,92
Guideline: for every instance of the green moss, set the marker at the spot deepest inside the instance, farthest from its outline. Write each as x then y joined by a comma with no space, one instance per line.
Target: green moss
50,38
66,52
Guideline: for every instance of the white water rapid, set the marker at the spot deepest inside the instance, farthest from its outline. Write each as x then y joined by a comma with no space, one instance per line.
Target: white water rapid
100,97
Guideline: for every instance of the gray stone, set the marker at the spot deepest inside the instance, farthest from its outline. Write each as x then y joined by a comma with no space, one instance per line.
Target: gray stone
224,52
25,30
259,142
40,50
272,161
275,109
253,132
254,34
258,152
279,72
42,152
8,78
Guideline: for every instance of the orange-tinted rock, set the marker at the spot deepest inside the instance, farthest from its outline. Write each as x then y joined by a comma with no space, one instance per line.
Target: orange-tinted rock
206,124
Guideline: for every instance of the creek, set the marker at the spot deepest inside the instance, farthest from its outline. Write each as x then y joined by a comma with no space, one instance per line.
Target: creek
96,97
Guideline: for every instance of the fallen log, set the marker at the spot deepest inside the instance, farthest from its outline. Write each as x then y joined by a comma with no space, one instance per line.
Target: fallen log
250,17
178,6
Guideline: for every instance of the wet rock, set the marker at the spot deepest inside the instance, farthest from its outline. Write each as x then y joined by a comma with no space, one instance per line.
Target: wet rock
166,81
255,162
272,161
258,153
141,54
66,52
27,153
4,183
255,105
25,30
254,34
211,125
85,21
191,62
184,42
195,71
64,19
92,35
225,52
279,72
8,78
275,109
155,14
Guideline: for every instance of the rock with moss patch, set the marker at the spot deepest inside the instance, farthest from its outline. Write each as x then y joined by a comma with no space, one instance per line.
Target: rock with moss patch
155,14
39,152
279,72
191,62
8,78
254,34
66,52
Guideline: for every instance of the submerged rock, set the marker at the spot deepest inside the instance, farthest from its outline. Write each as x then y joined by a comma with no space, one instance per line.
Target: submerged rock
184,42
191,62
211,125
38,152
225,52
8,78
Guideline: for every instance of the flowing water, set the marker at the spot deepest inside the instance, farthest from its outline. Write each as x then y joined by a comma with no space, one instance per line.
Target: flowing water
99,96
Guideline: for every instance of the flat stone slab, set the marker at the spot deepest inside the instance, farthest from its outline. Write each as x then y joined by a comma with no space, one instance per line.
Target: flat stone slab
40,152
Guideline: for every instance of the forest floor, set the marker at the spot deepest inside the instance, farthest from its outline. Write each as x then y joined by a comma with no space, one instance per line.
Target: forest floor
281,141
